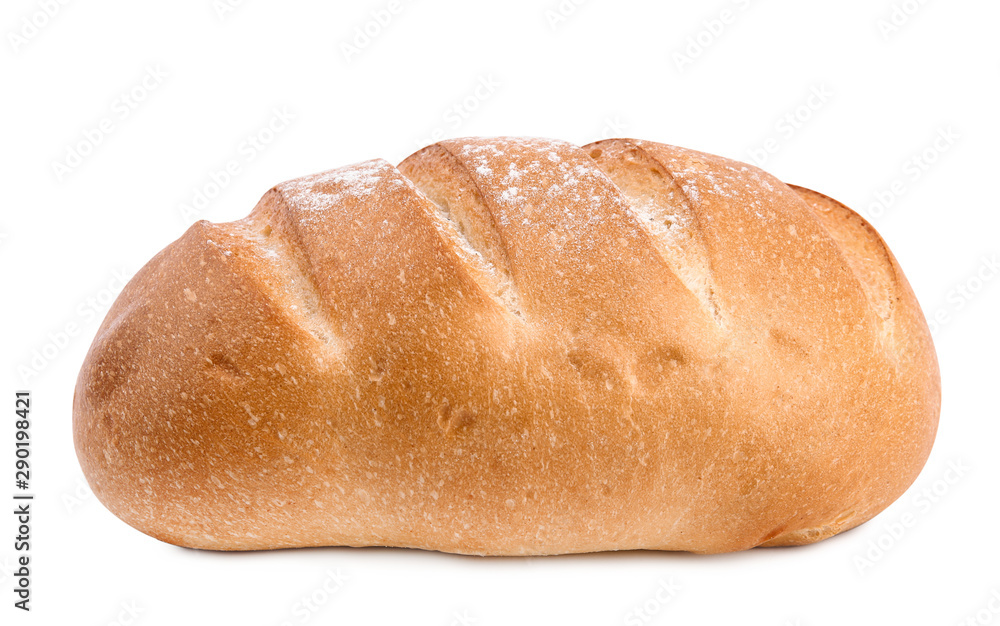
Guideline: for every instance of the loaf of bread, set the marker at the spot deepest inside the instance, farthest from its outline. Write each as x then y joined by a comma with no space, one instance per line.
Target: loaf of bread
514,346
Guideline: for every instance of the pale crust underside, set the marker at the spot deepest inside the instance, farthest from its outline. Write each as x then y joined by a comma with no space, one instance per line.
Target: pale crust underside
514,346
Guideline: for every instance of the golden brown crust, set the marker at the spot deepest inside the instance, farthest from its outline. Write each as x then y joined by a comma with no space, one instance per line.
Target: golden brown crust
514,346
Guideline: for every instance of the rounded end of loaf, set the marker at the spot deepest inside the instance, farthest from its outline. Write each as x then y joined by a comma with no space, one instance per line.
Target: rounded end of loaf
897,452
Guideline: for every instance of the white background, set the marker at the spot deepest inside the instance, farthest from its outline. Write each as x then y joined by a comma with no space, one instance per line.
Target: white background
606,69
